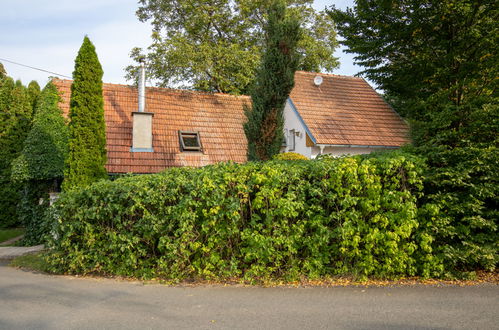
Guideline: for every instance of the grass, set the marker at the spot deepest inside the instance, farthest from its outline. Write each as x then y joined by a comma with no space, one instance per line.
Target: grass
34,261
6,234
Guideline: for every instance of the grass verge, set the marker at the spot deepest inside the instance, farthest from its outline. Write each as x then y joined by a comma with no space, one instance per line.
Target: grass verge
6,234
34,261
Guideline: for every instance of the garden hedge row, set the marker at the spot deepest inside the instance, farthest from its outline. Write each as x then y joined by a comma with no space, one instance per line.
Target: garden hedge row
257,221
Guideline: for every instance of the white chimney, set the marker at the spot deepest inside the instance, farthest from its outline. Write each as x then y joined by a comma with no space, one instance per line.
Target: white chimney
142,86
142,120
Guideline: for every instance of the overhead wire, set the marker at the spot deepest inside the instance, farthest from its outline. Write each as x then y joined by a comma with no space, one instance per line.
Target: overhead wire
34,68
154,100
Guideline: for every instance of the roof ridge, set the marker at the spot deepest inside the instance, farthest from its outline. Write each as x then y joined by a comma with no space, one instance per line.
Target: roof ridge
165,89
329,74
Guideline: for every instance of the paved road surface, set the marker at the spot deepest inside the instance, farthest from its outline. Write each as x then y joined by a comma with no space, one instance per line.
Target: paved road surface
36,301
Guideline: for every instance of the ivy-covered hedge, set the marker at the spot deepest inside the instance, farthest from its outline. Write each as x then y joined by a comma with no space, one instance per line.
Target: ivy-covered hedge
257,221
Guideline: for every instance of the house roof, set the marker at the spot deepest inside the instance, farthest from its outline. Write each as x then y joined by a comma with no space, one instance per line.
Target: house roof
341,111
218,118
346,110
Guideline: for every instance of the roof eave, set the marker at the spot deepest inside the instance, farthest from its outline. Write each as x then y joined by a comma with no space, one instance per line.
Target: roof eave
307,130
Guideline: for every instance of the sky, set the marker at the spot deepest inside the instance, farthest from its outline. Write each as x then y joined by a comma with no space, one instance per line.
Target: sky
47,35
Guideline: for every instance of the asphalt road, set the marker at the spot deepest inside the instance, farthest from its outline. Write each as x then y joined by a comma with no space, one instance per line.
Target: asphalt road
37,301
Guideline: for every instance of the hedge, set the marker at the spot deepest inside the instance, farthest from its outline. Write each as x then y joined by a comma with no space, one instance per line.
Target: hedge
257,221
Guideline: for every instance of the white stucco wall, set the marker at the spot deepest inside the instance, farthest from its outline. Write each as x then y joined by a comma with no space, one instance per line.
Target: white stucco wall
342,151
291,121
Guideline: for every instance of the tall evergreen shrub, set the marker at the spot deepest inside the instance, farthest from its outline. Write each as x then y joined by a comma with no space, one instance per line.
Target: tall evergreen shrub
87,128
3,73
40,167
15,121
274,81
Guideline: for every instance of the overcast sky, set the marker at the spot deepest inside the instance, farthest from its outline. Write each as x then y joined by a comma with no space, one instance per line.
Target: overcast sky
47,34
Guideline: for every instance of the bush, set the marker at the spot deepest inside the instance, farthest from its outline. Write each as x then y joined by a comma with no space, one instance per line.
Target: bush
257,221
290,156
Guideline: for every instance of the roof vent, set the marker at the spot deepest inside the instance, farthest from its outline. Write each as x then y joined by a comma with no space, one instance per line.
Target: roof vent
318,80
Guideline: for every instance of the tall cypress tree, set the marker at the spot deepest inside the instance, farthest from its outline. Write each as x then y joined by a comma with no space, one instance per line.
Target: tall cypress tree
274,81
15,121
40,167
87,128
33,95
3,73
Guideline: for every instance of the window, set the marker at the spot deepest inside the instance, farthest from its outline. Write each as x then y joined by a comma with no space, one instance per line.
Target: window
189,141
291,143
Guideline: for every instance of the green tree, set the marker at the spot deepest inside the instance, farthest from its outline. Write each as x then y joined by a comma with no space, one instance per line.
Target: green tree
438,65
216,45
420,50
274,82
3,73
33,94
87,129
40,167
15,121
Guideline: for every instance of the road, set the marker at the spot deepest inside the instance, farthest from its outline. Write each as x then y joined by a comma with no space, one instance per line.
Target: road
37,301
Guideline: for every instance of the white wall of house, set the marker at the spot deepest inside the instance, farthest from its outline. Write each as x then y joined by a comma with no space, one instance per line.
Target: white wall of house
342,151
293,122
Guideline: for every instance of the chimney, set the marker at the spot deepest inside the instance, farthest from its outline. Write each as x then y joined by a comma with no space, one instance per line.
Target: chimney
142,120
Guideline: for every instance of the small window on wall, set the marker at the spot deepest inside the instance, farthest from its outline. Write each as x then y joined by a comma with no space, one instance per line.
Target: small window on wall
291,142
189,141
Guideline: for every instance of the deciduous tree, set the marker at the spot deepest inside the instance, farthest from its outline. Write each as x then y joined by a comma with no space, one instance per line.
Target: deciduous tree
216,45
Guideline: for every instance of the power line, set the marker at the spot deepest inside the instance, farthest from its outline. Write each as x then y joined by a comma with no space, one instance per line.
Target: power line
34,68
154,100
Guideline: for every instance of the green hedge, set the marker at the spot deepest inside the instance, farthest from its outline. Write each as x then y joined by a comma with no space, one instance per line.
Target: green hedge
257,221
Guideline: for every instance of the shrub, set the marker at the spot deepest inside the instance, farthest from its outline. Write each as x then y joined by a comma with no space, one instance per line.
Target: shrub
290,156
254,221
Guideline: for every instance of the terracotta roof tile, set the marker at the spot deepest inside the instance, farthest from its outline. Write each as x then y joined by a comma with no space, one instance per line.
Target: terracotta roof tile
343,110
219,119
346,111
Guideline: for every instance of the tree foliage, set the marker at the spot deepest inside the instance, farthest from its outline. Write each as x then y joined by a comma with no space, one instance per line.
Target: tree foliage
216,45
40,167
33,95
416,50
437,63
15,122
274,82
3,73
87,129
45,148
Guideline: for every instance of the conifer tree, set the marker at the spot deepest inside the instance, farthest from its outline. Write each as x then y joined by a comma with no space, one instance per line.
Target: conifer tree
40,167
274,82
3,73
33,95
45,148
15,120
87,135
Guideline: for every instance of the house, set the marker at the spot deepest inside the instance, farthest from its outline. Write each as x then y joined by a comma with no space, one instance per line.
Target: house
339,115
332,114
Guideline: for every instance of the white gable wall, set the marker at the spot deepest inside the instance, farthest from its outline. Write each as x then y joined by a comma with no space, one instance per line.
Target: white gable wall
292,121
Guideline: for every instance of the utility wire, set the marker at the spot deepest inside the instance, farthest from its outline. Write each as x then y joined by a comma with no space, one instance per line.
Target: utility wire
32,67
154,100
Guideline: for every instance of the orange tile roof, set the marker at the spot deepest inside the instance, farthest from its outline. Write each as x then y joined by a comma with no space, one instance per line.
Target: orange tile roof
219,119
342,111
346,111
